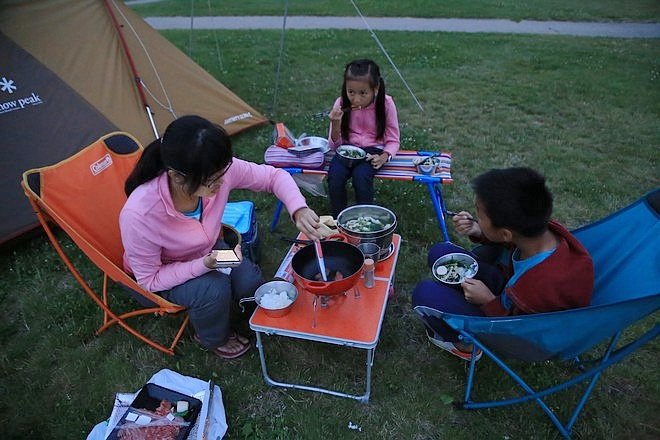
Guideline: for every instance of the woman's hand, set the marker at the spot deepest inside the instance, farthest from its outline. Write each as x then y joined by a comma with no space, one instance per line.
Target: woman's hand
465,224
307,222
476,292
378,160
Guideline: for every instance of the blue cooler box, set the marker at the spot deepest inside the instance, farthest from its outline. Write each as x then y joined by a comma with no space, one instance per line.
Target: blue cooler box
241,216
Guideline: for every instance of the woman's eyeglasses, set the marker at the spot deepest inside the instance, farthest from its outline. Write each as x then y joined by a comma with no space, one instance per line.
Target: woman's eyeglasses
211,180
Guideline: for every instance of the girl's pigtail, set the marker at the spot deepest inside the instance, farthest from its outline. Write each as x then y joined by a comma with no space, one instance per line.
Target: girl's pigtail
380,108
148,167
345,104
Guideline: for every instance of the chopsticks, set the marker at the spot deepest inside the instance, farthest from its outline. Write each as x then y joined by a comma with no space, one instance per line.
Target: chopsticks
325,113
452,213
298,240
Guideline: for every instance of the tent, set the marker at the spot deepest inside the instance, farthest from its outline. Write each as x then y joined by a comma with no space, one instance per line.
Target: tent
74,70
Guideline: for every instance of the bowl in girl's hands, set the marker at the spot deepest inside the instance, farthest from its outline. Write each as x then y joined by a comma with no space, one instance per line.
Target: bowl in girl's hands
454,268
351,152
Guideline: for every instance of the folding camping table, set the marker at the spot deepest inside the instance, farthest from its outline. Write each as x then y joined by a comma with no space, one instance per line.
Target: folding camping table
400,168
350,321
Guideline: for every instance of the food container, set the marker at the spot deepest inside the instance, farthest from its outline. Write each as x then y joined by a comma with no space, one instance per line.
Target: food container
352,153
265,297
426,165
340,258
454,268
379,231
147,414
309,144
426,169
370,250
230,236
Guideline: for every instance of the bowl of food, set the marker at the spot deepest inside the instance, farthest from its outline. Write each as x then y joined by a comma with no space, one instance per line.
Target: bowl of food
426,165
275,297
368,224
351,152
454,268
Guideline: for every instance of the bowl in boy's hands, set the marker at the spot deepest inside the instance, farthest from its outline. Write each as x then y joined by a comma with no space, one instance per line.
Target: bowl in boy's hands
454,268
351,152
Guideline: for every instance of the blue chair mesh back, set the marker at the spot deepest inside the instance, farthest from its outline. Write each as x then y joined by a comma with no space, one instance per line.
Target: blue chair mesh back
625,247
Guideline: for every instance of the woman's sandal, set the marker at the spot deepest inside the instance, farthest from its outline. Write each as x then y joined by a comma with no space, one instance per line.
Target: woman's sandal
227,354
234,335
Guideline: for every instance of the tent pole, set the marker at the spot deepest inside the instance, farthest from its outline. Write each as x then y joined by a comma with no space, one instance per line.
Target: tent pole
136,77
150,115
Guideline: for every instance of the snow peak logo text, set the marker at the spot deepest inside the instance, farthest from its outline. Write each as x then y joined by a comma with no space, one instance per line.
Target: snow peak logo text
21,103
236,118
101,164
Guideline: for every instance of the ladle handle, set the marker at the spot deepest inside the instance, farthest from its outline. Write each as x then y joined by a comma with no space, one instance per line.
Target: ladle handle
319,256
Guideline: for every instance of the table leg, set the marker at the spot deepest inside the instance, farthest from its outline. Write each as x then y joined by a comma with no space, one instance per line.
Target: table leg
364,398
439,206
370,362
276,216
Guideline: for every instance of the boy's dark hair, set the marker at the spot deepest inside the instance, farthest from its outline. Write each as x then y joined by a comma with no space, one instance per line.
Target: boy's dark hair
516,199
192,146
358,69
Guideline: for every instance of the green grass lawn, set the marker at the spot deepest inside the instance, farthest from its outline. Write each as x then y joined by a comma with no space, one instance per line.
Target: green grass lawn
569,10
583,111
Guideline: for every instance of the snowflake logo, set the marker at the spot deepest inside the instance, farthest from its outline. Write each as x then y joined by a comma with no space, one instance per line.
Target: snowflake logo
7,85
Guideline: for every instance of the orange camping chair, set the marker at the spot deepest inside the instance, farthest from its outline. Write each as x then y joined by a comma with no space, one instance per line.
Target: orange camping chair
84,195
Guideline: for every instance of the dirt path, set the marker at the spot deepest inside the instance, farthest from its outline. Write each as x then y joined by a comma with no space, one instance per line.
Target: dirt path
585,29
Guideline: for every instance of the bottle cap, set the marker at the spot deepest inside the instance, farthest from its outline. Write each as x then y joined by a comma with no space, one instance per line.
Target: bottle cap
368,263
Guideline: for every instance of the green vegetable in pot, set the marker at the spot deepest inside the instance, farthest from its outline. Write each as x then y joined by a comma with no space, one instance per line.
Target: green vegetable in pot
366,224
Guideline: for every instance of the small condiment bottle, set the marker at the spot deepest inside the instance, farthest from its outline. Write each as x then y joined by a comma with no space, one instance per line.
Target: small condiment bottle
369,270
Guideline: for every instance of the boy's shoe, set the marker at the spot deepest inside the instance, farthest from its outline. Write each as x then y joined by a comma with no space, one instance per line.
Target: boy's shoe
451,348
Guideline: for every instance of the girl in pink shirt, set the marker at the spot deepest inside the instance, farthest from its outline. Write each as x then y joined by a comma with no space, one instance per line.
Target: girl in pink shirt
171,225
364,116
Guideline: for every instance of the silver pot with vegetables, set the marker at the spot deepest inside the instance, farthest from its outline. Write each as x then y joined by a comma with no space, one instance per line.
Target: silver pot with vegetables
368,224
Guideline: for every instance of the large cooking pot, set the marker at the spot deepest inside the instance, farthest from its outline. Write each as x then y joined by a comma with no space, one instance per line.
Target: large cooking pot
339,257
379,234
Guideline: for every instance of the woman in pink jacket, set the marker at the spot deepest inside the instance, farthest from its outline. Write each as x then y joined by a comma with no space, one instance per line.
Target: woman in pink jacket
171,224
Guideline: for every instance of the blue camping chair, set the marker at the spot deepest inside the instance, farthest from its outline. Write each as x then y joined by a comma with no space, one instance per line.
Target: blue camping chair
625,248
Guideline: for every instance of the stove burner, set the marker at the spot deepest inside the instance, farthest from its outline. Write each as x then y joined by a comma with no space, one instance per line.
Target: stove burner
327,301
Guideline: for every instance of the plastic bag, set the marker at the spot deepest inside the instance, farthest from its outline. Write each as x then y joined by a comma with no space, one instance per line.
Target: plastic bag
312,183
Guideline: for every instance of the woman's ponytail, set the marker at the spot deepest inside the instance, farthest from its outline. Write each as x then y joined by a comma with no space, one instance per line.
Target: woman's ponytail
149,166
